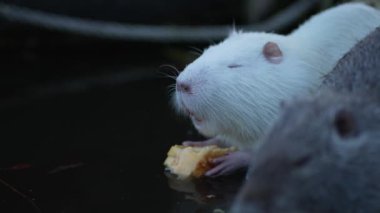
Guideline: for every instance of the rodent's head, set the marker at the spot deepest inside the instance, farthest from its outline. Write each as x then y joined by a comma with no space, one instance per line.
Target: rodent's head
320,156
234,88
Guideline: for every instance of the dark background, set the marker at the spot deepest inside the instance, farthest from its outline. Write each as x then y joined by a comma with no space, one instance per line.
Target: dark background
86,121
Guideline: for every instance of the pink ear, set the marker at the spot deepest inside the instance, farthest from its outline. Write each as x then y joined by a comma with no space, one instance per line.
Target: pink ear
272,53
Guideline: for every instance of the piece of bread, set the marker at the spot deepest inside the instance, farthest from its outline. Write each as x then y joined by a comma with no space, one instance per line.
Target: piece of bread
188,161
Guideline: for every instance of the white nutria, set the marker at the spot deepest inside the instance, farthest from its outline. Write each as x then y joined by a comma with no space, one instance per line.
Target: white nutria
233,90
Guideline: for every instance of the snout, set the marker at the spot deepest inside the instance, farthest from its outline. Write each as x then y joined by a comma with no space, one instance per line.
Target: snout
183,86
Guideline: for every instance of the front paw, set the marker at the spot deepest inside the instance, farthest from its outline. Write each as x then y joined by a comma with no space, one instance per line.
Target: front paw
209,142
229,164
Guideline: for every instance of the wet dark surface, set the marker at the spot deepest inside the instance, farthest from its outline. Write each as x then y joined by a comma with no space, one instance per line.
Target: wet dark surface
86,126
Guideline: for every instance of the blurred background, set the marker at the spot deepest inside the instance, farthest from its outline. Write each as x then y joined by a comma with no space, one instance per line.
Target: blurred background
84,102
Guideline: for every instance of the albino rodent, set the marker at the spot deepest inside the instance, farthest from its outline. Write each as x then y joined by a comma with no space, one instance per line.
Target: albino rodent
233,90
322,155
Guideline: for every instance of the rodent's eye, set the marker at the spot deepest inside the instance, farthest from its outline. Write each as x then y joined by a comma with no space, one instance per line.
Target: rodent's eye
345,124
301,161
232,66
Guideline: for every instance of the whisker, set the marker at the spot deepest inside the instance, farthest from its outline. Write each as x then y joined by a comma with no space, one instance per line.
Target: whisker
172,86
195,53
171,89
166,75
197,50
212,42
172,67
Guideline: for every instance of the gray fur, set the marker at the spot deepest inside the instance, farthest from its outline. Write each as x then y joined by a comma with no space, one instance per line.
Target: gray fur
359,70
323,153
306,165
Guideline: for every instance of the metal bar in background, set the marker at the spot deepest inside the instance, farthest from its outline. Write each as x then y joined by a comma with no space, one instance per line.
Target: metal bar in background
152,33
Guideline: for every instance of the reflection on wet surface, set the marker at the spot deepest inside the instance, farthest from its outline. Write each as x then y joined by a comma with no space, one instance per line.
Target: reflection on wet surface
205,195
100,150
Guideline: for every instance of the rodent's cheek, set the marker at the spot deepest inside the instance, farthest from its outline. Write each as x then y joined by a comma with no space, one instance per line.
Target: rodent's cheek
205,128
178,103
187,106
196,105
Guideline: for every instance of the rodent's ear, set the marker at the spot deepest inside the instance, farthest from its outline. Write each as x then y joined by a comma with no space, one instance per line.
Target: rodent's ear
345,124
272,52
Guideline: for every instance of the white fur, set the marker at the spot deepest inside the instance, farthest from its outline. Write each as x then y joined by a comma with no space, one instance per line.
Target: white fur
238,104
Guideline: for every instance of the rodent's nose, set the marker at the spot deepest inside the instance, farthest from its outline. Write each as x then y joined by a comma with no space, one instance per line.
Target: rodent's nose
183,87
